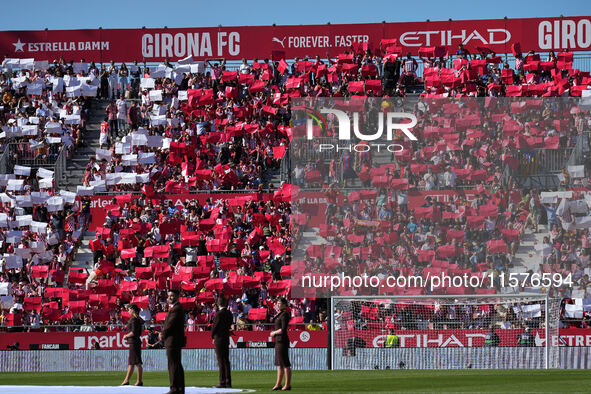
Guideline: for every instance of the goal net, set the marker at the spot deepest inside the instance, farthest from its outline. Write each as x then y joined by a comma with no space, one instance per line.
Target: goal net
444,332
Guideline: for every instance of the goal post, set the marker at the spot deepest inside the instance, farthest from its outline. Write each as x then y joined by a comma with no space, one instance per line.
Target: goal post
444,332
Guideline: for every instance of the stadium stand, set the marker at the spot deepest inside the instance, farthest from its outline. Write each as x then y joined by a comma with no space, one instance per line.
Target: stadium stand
179,129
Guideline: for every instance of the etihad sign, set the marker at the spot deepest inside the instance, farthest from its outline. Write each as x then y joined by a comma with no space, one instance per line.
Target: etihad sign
557,34
451,37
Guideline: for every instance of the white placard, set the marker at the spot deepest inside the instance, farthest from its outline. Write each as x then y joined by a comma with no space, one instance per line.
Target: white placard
127,179
22,170
6,301
147,83
139,139
155,95
23,253
182,95
573,311
38,227
14,237
85,190
104,154
80,68
29,130
55,204
89,90
147,157
46,183
44,173
198,67
123,148
35,89
15,184
5,289
73,91
129,160
13,261
5,177
143,178
24,220
39,197
69,197
72,119
158,120
38,246
576,171
41,64
155,141
53,127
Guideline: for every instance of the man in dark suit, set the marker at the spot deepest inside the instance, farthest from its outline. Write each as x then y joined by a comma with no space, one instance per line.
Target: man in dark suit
220,333
173,336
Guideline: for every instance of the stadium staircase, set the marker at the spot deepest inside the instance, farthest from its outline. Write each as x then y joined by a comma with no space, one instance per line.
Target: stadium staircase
74,174
527,256
76,164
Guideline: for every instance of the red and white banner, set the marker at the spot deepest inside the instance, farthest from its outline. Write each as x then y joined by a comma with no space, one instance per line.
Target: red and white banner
114,340
463,337
416,198
152,45
573,337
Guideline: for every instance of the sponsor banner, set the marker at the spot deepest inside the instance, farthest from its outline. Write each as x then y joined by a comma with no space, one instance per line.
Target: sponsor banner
154,360
459,338
114,340
98,203
416,198
234,43
573,337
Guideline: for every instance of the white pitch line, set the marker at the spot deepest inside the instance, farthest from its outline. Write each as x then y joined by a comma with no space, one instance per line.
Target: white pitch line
110,390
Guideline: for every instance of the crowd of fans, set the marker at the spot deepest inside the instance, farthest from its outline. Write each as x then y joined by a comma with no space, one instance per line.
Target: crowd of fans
175,129
44,108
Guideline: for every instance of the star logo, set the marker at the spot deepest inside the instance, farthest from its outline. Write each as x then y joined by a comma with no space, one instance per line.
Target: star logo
18,46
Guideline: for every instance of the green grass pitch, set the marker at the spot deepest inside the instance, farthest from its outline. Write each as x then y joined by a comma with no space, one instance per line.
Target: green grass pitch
466,381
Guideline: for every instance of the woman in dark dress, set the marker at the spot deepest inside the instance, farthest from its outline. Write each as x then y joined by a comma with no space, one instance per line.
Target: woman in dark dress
135,326
282,346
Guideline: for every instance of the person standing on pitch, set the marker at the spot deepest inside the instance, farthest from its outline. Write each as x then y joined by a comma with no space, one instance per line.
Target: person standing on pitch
135,327
173,336
220,334
282,346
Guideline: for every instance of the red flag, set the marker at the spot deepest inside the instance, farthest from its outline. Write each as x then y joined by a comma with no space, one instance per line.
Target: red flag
279,151
257,314
282,66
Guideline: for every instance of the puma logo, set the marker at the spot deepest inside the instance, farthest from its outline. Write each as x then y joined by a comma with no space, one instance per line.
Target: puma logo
279,41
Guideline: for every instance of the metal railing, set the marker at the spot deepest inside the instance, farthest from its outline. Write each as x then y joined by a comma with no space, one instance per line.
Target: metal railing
60,167
577,156
6,164
542,161
26,156
285,168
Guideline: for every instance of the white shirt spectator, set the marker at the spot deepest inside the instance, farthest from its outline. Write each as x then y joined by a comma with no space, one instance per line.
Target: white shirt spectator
429,179
449,178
